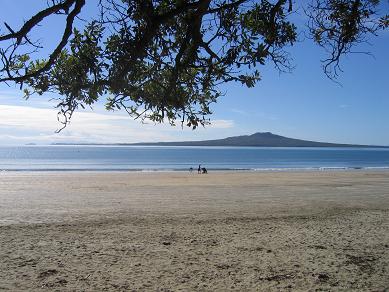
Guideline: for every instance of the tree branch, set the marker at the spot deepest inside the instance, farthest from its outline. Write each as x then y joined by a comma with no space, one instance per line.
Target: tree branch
53,56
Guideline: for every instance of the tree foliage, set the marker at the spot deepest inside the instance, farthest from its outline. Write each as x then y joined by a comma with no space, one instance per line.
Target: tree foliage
165,60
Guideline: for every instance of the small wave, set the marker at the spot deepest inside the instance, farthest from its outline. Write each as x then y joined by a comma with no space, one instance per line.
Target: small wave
210,169
322,168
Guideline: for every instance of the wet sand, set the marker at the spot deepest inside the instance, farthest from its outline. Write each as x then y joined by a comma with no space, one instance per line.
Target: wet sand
188,232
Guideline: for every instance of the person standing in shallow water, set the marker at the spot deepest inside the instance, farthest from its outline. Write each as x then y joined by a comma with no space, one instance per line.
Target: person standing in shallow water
199,169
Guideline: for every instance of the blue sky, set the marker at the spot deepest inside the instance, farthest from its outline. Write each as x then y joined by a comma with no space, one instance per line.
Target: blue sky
304,104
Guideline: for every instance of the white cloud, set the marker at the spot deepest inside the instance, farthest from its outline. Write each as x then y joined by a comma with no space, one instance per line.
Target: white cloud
222,124
24,124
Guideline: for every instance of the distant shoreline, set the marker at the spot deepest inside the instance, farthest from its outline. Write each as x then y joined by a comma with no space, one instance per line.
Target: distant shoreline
211,146
265,139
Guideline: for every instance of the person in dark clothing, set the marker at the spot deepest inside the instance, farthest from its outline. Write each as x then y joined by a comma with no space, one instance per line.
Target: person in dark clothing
199,169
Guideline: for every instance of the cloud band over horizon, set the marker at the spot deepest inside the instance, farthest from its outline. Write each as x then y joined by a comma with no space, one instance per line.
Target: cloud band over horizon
25,124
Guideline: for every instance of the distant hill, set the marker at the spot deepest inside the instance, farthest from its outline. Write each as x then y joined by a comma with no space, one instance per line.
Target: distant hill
266,139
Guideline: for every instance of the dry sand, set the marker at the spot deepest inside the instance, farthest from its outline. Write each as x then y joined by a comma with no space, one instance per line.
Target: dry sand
267,231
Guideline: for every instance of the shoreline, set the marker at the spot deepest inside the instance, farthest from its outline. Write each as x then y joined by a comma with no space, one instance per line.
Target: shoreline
214,170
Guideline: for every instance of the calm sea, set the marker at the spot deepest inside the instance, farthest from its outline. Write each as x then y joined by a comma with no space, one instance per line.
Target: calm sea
144,158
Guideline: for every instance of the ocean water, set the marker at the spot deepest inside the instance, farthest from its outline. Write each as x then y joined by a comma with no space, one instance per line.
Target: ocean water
146,158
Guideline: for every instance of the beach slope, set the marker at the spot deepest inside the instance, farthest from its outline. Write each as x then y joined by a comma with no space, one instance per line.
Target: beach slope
265,231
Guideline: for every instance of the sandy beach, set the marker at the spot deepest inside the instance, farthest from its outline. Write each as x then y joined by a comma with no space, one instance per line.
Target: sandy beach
236,231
